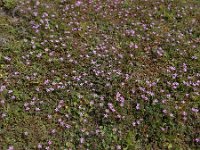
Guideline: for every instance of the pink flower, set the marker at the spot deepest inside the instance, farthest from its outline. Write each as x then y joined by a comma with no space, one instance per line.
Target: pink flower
49,142
118,147
26,133
53,131
138,106
134,123
195,110
82,140
136,46
78,3
10,148
110,105
120,99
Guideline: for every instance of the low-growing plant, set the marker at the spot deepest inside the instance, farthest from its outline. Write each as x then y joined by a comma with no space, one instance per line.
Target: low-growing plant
9,4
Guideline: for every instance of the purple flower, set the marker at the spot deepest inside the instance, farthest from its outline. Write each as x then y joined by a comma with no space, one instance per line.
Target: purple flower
195,110
82,140
78,3
110,105
197,140
10,148
49,142
164,111
138,106
134,123
120,99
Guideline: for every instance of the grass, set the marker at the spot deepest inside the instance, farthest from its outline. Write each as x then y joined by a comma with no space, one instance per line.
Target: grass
99,74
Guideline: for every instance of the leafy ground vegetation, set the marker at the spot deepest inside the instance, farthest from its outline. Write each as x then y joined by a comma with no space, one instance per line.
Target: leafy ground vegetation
99,74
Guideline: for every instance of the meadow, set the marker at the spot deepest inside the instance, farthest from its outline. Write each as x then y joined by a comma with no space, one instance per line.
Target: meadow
99,74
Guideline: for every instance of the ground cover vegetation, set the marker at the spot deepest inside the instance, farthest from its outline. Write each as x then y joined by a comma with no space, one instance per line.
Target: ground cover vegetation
99,74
